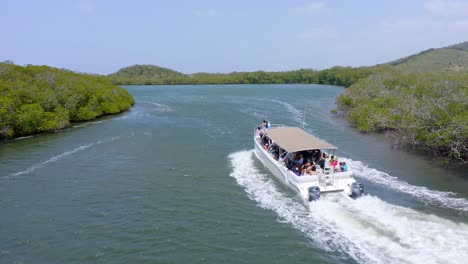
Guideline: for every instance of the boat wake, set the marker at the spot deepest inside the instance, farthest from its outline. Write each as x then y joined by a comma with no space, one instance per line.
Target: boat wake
368,229
438,198
159,107
57,158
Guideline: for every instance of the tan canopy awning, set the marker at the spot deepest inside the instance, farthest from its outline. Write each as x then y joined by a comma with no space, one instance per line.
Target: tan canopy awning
294,139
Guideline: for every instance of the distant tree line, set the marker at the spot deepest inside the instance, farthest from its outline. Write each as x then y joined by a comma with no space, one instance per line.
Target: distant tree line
153,75
428,110
35,99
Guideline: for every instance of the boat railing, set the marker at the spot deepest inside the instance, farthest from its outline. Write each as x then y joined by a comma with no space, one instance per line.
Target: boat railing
327,177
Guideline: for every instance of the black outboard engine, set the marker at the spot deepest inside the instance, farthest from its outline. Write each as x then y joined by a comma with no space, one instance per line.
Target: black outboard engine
357,189
314,193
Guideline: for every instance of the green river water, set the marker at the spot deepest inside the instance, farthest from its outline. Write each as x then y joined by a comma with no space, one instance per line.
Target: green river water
174,180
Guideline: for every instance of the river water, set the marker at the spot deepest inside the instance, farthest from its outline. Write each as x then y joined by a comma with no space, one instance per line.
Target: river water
175,180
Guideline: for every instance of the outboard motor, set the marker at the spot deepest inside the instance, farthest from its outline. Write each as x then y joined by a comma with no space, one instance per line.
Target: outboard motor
314,193
357,189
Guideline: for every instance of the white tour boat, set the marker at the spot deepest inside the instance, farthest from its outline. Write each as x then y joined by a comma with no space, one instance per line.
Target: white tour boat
283,149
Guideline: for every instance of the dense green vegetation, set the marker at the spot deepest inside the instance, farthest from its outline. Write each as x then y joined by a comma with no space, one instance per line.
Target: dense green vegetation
147,74
422,100
35,99
428,110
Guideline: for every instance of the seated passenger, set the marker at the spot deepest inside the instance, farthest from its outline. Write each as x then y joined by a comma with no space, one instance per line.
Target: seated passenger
316,154
345,167
310,170
288,161
313,170
296,171
305,167
300,160
321,163
340,167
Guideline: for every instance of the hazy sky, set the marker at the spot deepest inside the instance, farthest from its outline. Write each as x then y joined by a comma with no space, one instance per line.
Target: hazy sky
101,36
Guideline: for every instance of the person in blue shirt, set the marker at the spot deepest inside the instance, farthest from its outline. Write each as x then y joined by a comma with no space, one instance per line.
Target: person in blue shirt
345,167
265,124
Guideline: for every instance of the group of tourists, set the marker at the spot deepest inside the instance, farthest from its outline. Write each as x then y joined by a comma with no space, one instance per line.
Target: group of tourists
308,162
305,162
300,163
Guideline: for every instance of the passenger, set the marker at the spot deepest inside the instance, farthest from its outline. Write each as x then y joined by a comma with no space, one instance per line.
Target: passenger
333,162
345,167
300,160
265,147
321,163
289,161
257,133
274,150
305,167
324,156
315,155
340,167
265,125
296,171
313,170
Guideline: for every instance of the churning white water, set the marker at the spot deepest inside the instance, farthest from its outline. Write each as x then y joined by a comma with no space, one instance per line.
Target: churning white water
368,229
438,198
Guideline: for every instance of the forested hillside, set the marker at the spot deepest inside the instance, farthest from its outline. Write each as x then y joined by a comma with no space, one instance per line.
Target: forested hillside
421,101
428,110
449,59
141,73
35,99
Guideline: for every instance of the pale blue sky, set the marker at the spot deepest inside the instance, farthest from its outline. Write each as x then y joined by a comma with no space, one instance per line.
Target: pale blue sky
101,36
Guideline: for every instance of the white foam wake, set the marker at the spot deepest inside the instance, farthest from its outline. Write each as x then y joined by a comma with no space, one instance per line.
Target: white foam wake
297,115
57,158
368,230
159,107
439,198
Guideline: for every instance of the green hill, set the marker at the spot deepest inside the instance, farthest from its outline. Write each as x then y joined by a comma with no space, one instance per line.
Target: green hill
143,74
460,46
449,59
36,99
